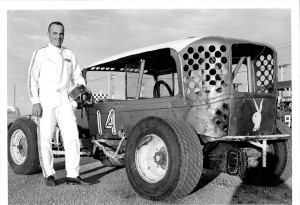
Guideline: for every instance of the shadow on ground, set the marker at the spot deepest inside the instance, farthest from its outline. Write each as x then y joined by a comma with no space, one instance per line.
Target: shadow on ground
250,194
94,179
207,176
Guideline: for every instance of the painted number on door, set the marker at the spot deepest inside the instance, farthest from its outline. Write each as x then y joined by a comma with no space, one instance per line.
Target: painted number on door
109,124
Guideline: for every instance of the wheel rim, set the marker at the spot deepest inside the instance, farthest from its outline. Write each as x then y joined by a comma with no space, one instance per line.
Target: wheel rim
18,147
151,158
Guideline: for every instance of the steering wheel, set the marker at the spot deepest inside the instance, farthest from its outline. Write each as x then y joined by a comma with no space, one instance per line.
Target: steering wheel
156,90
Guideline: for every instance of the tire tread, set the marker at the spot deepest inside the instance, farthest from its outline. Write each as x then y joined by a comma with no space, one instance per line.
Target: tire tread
193,160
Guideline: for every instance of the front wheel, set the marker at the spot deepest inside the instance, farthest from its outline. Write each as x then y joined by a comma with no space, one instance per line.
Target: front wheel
22,147
279,161
163,158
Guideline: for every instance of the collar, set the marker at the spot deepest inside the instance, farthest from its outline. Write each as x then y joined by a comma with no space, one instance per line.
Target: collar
55,48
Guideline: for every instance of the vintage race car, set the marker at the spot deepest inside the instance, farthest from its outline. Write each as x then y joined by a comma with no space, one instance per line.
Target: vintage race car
167,111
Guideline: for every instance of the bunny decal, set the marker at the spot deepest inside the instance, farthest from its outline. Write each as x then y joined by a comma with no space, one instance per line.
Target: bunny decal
256,118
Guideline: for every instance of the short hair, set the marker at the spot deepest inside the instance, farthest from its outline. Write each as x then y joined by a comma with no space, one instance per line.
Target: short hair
55,23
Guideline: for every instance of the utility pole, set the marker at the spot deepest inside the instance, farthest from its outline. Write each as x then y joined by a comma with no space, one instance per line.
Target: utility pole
14,94
111,85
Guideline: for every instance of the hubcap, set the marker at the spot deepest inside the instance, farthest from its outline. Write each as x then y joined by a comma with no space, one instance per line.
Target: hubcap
18,147
151,158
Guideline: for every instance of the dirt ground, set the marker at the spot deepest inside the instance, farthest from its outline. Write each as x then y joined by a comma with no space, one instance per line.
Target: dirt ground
111,186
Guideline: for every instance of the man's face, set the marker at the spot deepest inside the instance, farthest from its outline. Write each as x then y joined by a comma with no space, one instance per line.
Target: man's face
56,35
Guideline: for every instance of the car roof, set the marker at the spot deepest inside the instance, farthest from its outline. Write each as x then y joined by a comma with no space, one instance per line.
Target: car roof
177,45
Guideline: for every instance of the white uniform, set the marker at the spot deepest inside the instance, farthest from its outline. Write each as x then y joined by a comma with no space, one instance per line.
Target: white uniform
52,73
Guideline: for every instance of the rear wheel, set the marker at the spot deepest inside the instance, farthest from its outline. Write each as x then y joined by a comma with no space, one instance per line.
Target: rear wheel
163,158
279,161
22,147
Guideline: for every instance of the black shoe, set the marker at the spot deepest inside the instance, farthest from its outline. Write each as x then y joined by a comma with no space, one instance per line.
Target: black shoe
76,181
50,181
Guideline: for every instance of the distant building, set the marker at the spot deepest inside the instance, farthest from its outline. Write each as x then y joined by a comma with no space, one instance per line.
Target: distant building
285,82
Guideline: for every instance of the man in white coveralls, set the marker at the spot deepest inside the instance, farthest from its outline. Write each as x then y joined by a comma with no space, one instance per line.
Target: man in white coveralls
53,71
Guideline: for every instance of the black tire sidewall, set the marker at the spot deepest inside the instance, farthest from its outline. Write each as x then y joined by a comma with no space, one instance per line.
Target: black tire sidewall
276,163
166,185
29,166
281,163
279,160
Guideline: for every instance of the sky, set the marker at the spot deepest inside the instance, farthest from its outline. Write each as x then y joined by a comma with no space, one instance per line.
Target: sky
100,33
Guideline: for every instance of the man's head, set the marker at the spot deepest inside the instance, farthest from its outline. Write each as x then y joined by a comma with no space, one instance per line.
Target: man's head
56,33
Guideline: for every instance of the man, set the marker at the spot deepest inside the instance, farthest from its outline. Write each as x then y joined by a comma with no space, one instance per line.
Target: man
53,71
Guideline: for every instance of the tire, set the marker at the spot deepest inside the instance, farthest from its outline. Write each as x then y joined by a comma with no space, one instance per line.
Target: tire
279,161
22,149
163,159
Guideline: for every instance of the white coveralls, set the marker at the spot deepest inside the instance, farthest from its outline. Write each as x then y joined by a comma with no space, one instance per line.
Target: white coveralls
52,73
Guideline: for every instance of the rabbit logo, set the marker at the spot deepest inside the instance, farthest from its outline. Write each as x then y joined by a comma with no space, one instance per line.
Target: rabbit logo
256,118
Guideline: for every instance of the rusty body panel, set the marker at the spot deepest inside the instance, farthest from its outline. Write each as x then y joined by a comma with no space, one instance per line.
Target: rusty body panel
210,119
206,79
219,110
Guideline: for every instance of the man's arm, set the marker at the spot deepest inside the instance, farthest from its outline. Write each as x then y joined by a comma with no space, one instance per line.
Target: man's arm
33,86
77,76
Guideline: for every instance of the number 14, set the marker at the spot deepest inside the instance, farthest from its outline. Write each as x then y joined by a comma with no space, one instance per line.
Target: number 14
110,122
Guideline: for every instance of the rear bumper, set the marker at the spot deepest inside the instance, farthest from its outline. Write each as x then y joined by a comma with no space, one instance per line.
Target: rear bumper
251,138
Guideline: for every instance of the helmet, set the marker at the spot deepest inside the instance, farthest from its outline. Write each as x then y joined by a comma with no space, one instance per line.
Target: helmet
80,97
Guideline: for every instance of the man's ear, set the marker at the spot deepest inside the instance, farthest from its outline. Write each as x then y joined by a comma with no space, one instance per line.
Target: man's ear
48,34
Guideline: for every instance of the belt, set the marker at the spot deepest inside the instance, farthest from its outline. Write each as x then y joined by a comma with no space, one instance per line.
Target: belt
61,90
53,89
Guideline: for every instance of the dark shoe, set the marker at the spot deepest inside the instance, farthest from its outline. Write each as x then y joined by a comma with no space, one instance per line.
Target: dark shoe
50,181
76,181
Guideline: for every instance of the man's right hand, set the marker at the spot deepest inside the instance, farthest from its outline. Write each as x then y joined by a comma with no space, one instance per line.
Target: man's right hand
37,110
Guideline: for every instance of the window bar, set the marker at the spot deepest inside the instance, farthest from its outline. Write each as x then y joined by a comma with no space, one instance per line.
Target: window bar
237,67
126,87
249,74
139,85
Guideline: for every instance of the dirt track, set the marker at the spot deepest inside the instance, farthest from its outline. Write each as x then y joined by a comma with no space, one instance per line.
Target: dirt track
111,186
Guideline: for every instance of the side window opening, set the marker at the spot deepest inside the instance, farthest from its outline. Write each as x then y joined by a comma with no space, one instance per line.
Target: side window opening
156,82
159,78
106,85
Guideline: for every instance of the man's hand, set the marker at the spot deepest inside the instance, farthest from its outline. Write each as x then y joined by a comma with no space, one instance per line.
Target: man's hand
37,110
